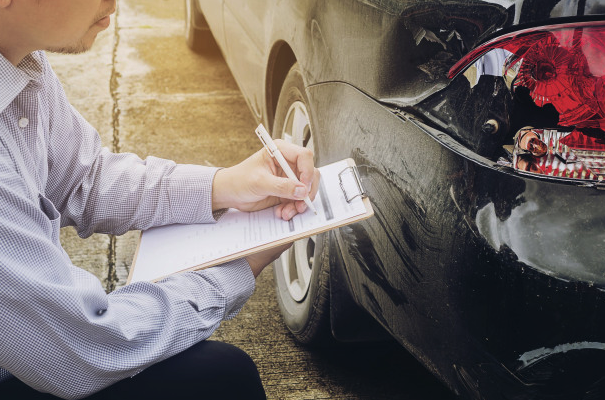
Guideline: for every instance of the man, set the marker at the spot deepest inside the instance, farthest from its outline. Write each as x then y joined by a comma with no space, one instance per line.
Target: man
60,333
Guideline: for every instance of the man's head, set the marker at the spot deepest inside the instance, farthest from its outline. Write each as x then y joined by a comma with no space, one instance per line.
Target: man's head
65,26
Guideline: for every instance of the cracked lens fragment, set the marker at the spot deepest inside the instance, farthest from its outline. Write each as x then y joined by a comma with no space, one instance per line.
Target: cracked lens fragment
528,139
571,155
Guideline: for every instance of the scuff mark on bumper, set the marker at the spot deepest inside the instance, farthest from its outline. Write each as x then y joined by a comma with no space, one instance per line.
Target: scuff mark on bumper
531,357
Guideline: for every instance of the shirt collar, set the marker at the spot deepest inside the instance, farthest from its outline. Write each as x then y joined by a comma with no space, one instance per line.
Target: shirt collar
14,79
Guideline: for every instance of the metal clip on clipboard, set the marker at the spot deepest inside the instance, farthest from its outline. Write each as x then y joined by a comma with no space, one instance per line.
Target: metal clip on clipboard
350,183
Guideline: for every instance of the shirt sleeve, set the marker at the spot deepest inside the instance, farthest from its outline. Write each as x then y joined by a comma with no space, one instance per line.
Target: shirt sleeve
62,334
96,190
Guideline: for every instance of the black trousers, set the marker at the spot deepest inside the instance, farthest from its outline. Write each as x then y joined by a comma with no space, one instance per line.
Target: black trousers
208,370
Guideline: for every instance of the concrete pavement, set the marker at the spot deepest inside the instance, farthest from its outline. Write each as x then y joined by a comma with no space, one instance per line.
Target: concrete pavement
147,93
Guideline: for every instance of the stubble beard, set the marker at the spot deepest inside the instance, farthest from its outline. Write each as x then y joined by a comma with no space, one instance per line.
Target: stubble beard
76,48
81,45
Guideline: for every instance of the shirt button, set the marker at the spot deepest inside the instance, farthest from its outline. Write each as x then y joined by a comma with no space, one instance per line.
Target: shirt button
23,122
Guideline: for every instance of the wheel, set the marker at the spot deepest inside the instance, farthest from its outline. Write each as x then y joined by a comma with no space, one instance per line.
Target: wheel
302,273
197,32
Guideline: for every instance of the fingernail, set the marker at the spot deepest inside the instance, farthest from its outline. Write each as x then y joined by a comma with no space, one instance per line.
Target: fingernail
300,192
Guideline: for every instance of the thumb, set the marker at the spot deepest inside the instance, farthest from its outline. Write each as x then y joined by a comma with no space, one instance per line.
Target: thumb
285,188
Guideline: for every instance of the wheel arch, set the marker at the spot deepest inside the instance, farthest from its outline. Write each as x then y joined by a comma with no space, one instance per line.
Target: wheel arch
281,59
348,321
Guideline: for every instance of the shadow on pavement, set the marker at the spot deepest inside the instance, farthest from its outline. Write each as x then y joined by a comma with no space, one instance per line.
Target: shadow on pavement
382,370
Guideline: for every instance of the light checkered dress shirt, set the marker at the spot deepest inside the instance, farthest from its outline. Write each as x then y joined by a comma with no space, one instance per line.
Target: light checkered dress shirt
59,331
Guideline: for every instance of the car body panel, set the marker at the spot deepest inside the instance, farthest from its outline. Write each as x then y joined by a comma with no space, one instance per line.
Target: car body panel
426,266
492,279
213,13
245,22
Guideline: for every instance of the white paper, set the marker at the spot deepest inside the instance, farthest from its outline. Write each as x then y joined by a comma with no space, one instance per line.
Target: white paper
172,248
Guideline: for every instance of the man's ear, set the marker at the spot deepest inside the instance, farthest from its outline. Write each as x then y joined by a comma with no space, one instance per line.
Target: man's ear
5,3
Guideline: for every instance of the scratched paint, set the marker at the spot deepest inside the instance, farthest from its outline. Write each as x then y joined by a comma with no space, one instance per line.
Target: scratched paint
531,357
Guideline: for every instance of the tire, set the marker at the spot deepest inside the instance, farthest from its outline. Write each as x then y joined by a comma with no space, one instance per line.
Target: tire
302,273
197,32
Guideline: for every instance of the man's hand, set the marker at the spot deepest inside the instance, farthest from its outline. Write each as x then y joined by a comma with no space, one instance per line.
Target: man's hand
259,261
258,182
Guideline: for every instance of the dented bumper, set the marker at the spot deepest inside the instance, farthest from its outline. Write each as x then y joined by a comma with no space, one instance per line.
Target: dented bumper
492,279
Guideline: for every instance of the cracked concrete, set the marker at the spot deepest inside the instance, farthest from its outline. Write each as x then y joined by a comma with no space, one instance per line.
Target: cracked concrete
146,93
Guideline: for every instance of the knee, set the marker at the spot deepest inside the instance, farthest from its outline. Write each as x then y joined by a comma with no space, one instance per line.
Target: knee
208,370
231,358
233,370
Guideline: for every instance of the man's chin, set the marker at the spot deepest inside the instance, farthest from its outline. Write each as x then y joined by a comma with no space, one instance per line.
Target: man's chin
75,49
83,45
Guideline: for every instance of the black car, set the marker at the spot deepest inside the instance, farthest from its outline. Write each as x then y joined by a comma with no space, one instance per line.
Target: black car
478,131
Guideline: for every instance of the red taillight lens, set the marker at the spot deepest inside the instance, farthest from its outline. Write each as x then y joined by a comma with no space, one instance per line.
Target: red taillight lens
560,65
563,66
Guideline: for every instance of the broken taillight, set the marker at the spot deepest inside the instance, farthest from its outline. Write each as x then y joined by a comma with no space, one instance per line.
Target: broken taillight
564,66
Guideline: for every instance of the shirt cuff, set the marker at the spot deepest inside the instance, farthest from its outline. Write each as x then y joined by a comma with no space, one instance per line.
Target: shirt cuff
235,280
191,194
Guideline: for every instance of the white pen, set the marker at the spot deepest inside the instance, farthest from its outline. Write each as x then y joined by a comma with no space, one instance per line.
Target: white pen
264,137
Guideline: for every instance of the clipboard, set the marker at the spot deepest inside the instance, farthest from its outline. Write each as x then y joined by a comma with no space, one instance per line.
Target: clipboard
152,259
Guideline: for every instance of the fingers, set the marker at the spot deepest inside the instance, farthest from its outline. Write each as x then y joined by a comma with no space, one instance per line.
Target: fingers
288,210
301,160
259,182
283,187
314,184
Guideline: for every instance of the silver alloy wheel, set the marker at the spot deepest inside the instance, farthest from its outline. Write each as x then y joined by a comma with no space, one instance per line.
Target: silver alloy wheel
297,261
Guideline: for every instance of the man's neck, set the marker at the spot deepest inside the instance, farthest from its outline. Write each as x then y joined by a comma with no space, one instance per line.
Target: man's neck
14,57
14,44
